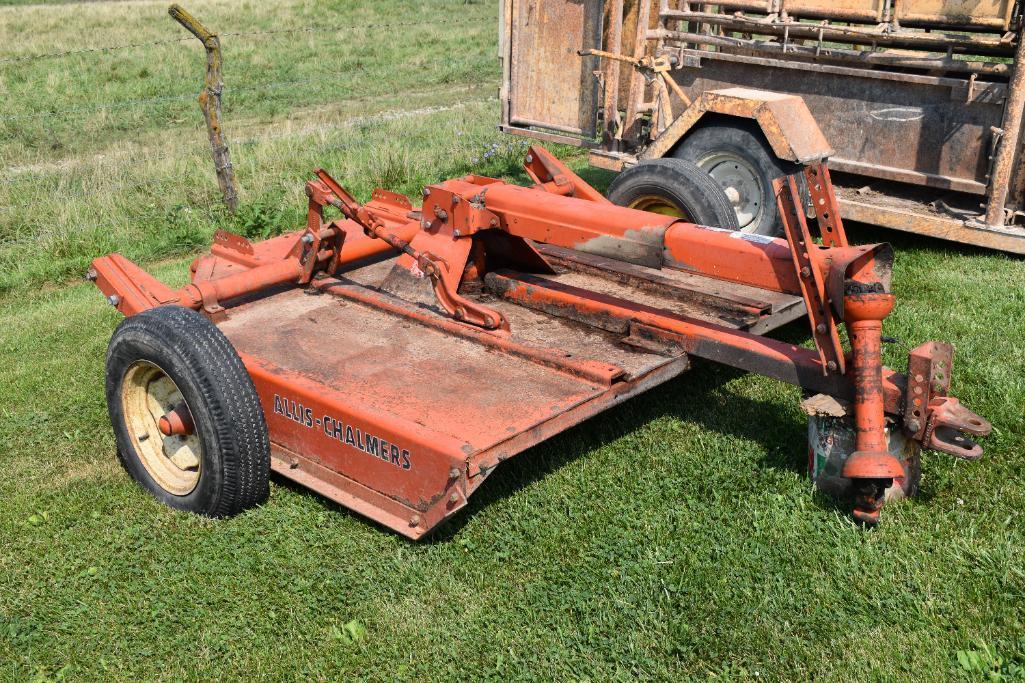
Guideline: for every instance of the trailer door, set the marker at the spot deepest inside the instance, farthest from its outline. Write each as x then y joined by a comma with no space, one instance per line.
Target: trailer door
548,85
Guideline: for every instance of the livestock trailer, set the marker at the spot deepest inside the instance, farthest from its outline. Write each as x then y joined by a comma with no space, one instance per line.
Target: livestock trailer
921,101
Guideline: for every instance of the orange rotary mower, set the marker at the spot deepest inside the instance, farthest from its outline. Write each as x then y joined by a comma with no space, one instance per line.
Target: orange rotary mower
391,358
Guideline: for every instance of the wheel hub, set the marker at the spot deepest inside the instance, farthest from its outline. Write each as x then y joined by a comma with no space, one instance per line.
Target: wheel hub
742,185
159,423
177,422
660,205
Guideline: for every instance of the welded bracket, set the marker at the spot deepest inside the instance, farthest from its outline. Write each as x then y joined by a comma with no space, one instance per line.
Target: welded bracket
929,366
810,275
445,212
931,416
552,175
950,427
823,199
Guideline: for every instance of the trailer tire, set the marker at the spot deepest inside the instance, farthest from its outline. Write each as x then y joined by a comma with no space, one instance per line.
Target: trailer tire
674,187
172,359
739,159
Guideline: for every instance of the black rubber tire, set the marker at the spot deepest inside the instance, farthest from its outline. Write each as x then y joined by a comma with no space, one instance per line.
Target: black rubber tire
199,359
745,140
680,182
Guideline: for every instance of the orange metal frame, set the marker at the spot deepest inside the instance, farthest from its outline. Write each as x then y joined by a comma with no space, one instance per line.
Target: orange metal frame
454,238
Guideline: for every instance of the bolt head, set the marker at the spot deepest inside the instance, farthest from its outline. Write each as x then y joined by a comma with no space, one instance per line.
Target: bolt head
456,233
529,159
820,328
453,473
454,498
427,192
114,300
494,223
91,275
915,426
414,520
307,239
831,365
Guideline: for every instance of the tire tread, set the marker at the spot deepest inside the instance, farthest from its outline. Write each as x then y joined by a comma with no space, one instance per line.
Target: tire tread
227,391
681,181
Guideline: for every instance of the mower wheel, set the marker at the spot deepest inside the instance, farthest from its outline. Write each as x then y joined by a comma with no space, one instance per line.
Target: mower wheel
674,187
187,419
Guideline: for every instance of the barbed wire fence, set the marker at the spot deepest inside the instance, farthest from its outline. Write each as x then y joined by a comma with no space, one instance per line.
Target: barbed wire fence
15,174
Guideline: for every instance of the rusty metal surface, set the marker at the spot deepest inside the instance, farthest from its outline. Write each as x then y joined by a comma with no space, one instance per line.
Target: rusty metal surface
612,40
595,227
716,295
855,10
893,64
789,127
357,350
912,92
807,262
913,217
896,129
414,387
545,38
951,426
823,200
991,14
766,356
793,33
932,415
1008,148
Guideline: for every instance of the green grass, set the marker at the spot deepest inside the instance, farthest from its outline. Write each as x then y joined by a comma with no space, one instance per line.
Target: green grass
103,149
673,537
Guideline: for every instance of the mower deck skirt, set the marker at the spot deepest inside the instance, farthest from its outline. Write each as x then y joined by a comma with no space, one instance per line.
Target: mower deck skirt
399,412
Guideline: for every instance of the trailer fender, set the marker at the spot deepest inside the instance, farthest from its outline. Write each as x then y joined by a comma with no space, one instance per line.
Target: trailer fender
785,121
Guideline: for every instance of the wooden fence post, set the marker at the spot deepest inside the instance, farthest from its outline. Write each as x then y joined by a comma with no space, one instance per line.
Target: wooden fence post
210,102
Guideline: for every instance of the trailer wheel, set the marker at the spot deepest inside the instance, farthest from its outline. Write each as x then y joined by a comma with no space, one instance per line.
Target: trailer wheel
739,160
186,417
674,187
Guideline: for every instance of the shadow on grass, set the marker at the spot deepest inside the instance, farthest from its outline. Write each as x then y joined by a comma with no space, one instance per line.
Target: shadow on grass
690,397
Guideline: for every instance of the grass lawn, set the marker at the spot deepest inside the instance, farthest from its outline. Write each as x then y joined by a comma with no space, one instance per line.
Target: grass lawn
673,537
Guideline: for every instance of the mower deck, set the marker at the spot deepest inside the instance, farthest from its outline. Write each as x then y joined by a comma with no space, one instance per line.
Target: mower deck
391,358
357,380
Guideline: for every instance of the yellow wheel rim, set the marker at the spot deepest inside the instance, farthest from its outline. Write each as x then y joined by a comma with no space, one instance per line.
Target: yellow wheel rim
656,204
147,394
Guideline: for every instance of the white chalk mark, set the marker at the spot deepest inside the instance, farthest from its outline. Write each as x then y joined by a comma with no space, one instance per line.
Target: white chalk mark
897,114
